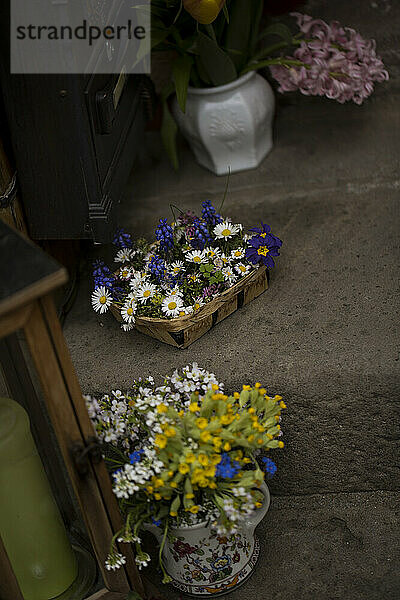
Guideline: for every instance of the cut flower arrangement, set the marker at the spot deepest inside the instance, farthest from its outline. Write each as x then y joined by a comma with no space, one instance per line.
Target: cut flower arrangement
193,261
185,452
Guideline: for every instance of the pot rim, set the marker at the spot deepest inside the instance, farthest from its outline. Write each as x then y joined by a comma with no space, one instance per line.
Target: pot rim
222,88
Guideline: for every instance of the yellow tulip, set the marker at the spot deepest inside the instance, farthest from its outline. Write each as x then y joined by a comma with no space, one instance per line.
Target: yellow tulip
204,11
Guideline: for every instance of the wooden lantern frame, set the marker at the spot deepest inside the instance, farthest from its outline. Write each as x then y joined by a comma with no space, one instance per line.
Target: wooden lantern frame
26,303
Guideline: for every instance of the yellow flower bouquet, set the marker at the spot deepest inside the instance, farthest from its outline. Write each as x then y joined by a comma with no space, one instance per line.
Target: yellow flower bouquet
185,452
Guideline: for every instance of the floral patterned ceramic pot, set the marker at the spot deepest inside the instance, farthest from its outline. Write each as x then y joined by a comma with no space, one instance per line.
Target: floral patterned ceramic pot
203,563
229,127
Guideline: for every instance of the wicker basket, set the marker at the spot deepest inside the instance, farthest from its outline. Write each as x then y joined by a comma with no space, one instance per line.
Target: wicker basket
183,331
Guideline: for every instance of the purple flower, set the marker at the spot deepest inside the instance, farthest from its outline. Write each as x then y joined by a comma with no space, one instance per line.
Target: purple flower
331,61
122,239
209,214
102,275
165,235
263,247
199,234
211,290
157,267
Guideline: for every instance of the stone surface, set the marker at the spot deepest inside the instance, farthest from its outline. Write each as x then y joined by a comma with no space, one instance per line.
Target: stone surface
335,546
325,335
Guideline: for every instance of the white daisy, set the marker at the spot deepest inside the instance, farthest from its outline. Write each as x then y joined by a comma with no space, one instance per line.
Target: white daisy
177,267
242,269
124,255
176,291
212,252
137,280
127,326
238,253
194,277
128,312
172,305
125,273
101,299
196,256
226,230
131,297
229,275
198,303
145,292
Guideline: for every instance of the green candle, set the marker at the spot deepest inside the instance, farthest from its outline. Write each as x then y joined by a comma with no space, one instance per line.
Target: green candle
31,527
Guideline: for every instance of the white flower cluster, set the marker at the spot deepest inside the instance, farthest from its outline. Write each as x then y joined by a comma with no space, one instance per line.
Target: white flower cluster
142,560
126,480
115,561
235,514
109,416
192,379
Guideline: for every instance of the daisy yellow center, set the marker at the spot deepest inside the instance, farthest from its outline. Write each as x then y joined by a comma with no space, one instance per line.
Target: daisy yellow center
238,253
263,235
242,268
182,313
196,259
263,250
172,305
146,293
102,299
124,273
129,311
226,232
196,306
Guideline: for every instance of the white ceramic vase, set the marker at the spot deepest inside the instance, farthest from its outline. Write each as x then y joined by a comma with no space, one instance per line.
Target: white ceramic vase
229,127
203,563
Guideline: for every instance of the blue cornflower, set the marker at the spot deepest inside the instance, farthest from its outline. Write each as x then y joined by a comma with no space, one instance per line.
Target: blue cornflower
102,275
210,215
270,467
156,522
200,234
165,235
122,239
157,267
135,456
227,468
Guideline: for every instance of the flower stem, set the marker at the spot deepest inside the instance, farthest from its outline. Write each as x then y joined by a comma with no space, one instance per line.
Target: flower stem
160,560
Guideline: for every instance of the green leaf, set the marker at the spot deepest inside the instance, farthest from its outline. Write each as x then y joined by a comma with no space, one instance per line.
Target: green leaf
226,13
181,75
241,33
202,72
217,63
169,131
278,29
